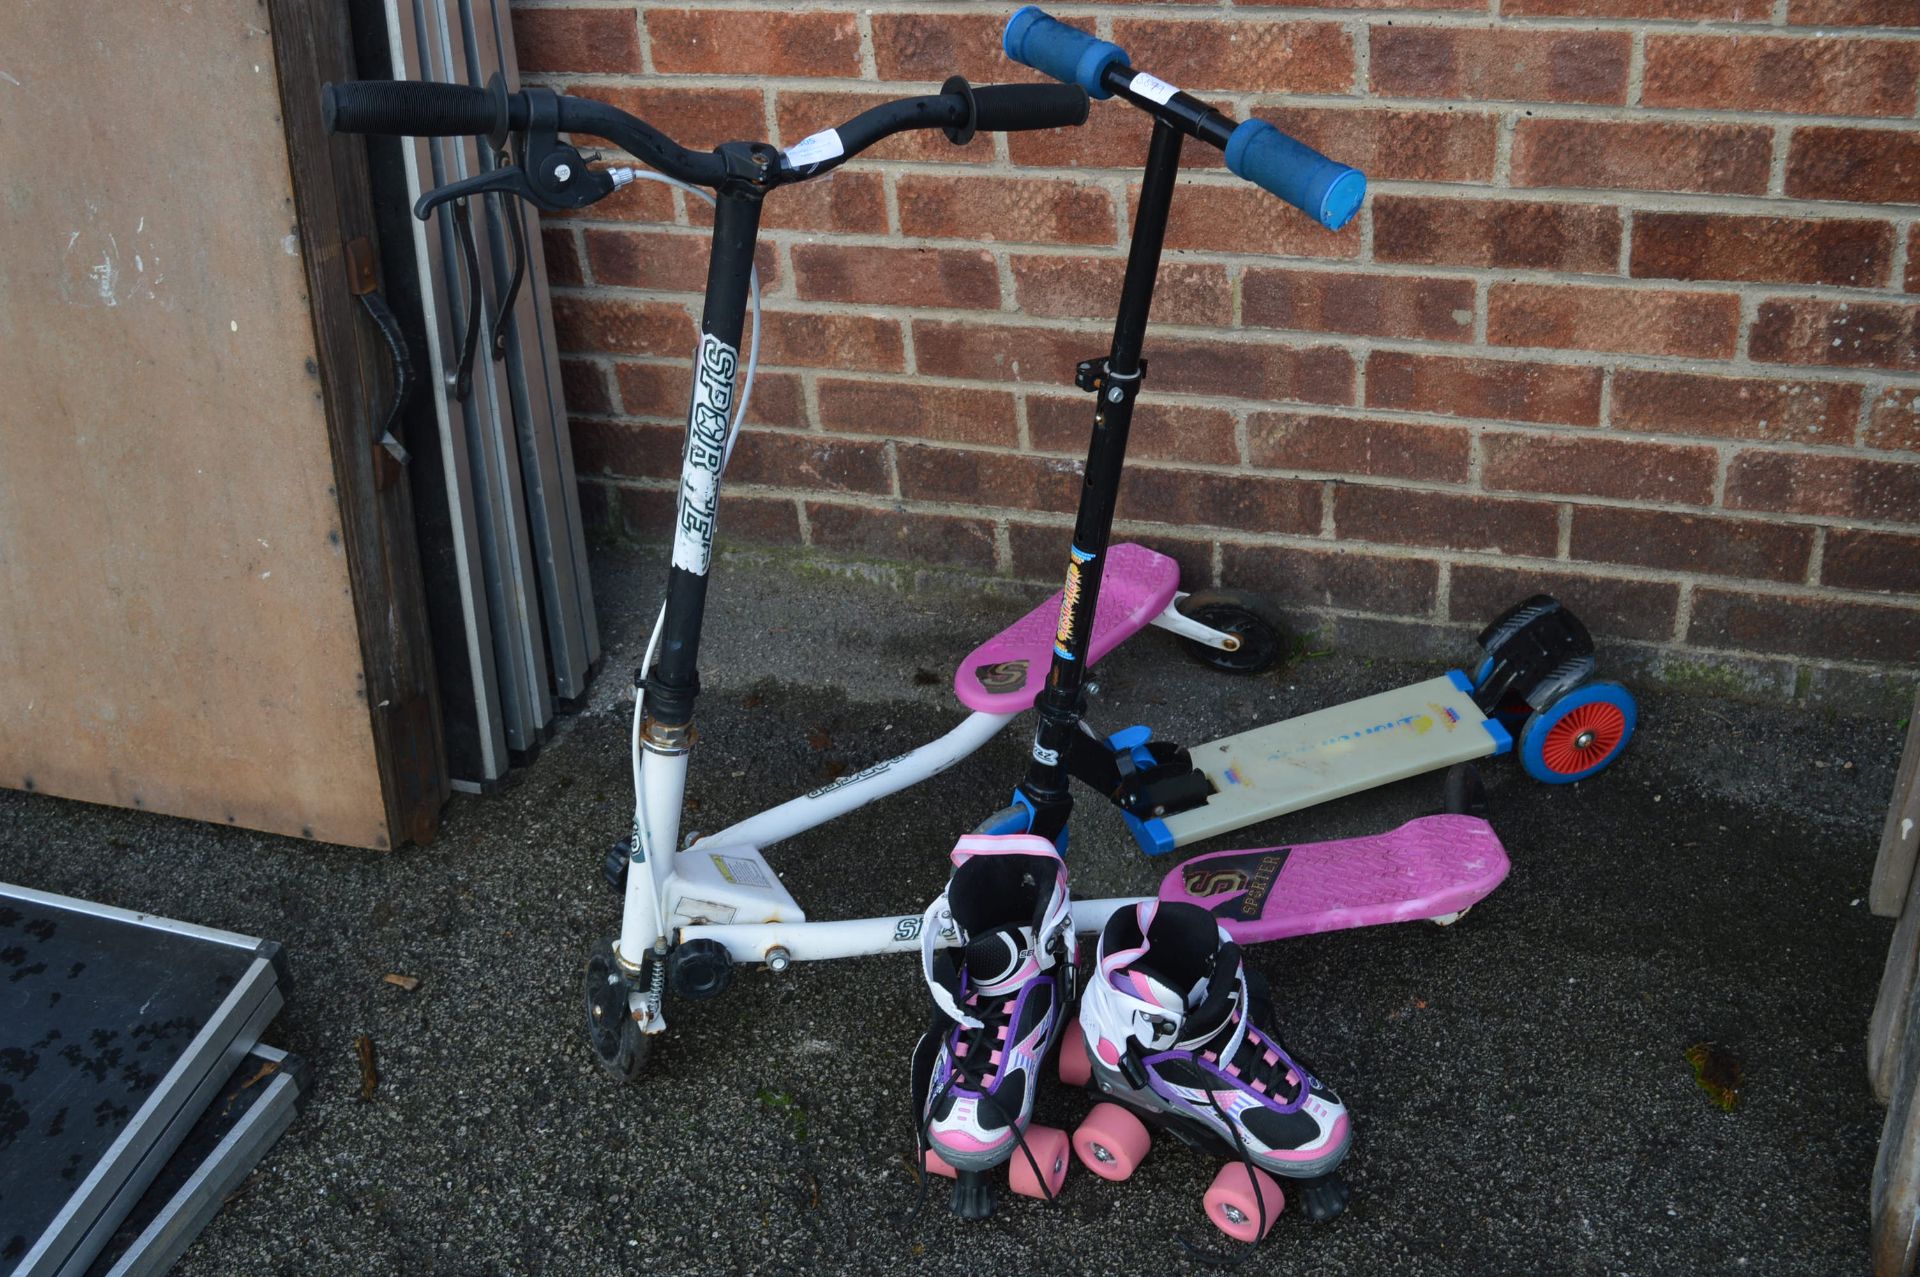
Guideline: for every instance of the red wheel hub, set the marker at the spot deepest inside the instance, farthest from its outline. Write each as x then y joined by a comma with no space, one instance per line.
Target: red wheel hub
1584,736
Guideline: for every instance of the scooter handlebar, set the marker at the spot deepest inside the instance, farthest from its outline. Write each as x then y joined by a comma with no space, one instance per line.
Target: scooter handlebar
1326,190
1066,53
1014,108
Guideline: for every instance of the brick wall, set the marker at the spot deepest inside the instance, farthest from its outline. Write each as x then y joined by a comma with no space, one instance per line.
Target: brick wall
1632,313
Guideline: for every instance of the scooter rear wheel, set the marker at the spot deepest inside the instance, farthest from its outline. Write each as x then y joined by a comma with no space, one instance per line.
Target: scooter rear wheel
619,1046
1251,618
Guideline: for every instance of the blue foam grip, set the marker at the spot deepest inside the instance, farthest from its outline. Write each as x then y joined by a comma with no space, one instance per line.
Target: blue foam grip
1325,190
1063,52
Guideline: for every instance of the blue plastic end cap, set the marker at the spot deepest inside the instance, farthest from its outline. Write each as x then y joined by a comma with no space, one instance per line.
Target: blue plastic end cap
1342,199
1502,738
1460,680
1152,835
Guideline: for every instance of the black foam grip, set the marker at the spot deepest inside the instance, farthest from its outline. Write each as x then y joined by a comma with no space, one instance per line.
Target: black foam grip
1011,108
409,108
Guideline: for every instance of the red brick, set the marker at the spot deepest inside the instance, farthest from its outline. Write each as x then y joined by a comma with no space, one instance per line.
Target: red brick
1453,521
1500,64
1852,13
1637,320
1114,136
897,534
804,112
562,256
1867,166
1843,487
1893,423
1845,334
1476,5
1695,10
755,520
958,277
813,463
1768,249
1397,144
1040,553
1913,260
1610,606
930,47
1252,372
1358,446
1861,559
1625,469
1829,628
1848,76
1749,548
991,479
1199,498
576,40
832,341
1241,218
1735,407
1161,431
626,449
670,260
1089,288
1263,56
1498,233
663,390
603,326
1366,305
1338,578
1719,159
1499,389
1009,209
917,410
584,387
753,42
995,352
840,201
698,119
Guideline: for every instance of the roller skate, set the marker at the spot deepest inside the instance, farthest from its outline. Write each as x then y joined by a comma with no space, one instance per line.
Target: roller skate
1167,1031
997,949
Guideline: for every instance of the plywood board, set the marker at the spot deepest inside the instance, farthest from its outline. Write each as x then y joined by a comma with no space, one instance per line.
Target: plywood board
178,628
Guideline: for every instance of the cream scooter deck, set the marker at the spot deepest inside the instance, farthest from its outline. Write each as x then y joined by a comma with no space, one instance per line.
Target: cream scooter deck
1298,762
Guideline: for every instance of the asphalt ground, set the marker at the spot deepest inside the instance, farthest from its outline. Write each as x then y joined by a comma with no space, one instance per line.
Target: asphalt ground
1522,1100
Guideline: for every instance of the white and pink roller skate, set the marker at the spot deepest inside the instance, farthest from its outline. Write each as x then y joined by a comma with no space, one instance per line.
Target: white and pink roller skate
1166,1028
997,949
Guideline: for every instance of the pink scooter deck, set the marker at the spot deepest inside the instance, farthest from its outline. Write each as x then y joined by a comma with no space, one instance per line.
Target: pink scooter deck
1427,868
1005,674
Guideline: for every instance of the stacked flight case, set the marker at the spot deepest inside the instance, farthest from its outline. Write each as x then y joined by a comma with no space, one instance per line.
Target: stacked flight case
135,1093
502,543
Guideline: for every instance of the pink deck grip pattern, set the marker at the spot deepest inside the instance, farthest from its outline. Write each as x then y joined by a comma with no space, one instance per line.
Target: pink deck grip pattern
1136,586
1426,868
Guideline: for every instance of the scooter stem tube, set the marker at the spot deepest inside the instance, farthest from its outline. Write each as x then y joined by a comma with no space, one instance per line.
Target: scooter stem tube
675,681
1061,704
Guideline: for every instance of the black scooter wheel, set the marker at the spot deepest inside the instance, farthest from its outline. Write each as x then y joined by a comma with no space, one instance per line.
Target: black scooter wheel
1251,618
618,1044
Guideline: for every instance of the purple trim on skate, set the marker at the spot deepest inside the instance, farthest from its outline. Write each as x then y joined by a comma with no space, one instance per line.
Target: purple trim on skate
1135,586
959,1149
1426,868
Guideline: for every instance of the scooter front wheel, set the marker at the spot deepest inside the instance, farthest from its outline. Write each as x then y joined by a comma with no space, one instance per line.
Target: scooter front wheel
618,1044
1250,618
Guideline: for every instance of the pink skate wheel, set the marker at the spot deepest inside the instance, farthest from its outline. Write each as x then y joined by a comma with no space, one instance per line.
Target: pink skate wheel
1231,1205
1075,1068
1111,1142
936,1165
1048,1144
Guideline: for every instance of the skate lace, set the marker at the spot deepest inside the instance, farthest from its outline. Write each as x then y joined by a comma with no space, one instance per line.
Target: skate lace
974,1069
1213,1258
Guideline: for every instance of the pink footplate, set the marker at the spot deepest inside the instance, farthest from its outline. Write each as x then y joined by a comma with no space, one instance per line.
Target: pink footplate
1427,868
1005,674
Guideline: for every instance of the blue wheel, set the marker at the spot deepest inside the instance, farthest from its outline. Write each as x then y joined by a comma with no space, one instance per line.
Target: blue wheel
1008,820
1578,733
1480,675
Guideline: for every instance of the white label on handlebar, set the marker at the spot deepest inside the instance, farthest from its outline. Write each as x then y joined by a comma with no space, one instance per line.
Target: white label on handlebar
1152,89
709,423
822,146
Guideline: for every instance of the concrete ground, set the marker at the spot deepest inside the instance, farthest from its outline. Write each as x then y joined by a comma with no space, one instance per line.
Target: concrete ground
1522,1102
